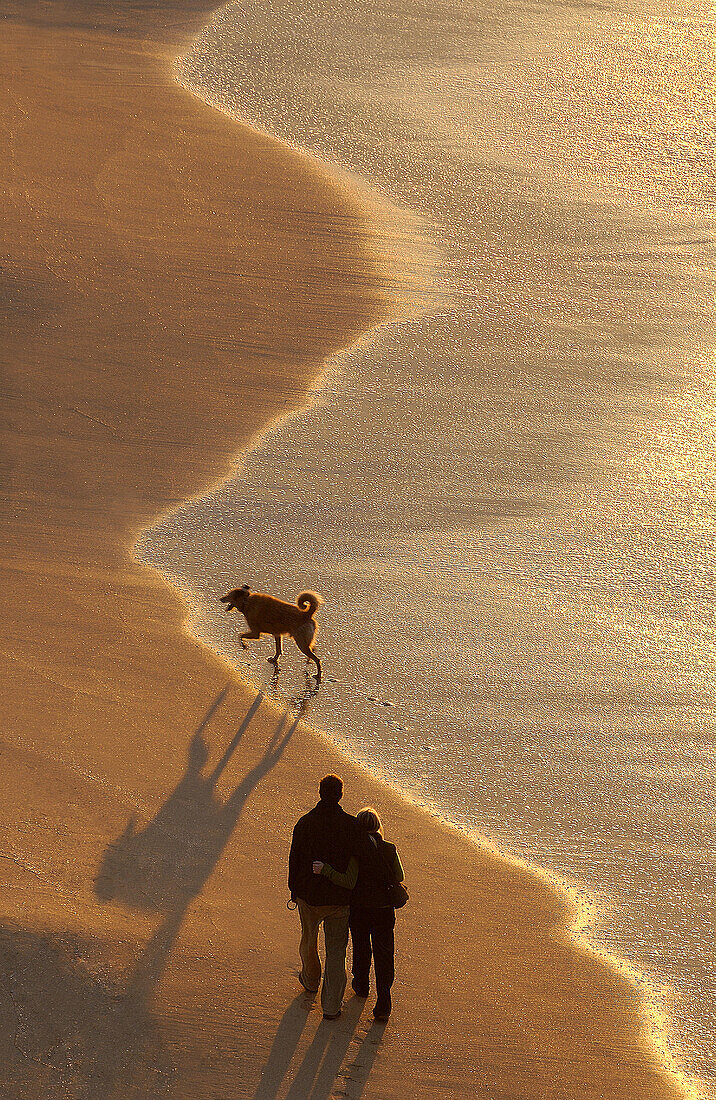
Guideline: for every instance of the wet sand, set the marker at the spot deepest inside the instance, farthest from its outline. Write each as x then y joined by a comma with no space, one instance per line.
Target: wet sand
173,282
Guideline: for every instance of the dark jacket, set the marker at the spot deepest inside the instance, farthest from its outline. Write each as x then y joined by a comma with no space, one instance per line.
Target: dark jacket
376,871
327,833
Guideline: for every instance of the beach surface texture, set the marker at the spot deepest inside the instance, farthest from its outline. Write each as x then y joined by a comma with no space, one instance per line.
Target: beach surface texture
172,283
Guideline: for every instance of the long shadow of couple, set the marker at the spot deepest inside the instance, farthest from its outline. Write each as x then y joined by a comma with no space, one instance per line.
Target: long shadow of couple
73,1029
163,867
67,1028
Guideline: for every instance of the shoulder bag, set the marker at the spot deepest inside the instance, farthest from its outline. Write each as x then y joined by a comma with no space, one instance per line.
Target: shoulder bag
397,893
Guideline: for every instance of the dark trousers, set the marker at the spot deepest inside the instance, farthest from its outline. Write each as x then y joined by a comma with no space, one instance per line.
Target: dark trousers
373,937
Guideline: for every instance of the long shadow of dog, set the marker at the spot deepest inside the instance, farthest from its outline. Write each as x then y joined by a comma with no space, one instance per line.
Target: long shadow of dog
164,866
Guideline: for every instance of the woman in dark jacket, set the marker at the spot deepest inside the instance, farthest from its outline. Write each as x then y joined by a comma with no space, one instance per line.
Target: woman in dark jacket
372,916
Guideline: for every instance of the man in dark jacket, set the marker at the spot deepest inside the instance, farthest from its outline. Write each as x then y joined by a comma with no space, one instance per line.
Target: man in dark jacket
327,833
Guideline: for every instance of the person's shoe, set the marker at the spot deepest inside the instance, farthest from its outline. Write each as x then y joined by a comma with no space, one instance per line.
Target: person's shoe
381,1013
331,1015
308,989
359,990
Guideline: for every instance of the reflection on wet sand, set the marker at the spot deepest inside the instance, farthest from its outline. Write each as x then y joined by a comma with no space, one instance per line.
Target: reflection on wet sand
175,282
503,502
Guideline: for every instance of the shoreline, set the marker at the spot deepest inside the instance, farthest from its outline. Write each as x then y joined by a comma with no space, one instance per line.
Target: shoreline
154,604
665,1040
582,908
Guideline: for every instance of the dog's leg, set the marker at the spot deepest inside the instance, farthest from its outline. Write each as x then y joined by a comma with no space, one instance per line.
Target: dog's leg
277,655
304,644
252,634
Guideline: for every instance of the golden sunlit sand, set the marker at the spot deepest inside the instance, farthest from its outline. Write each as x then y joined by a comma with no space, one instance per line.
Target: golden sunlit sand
173,282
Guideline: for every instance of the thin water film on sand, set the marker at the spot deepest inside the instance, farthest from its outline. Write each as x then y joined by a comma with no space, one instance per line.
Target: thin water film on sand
506,503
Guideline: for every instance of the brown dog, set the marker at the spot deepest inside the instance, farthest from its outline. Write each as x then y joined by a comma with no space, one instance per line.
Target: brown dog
267,615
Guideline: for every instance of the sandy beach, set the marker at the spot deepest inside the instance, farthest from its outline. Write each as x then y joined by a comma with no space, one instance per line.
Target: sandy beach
173,282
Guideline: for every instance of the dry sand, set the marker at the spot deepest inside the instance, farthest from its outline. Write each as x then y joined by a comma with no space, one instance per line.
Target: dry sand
172,283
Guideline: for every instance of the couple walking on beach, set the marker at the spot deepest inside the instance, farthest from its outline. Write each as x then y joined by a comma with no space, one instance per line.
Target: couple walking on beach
342,874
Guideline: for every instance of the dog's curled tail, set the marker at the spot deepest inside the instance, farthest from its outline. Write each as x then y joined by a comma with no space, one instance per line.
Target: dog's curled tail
309,602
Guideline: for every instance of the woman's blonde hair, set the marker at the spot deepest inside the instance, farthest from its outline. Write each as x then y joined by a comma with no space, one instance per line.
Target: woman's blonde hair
369,820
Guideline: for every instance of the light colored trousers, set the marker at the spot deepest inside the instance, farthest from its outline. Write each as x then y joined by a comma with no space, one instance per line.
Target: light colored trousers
334,919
